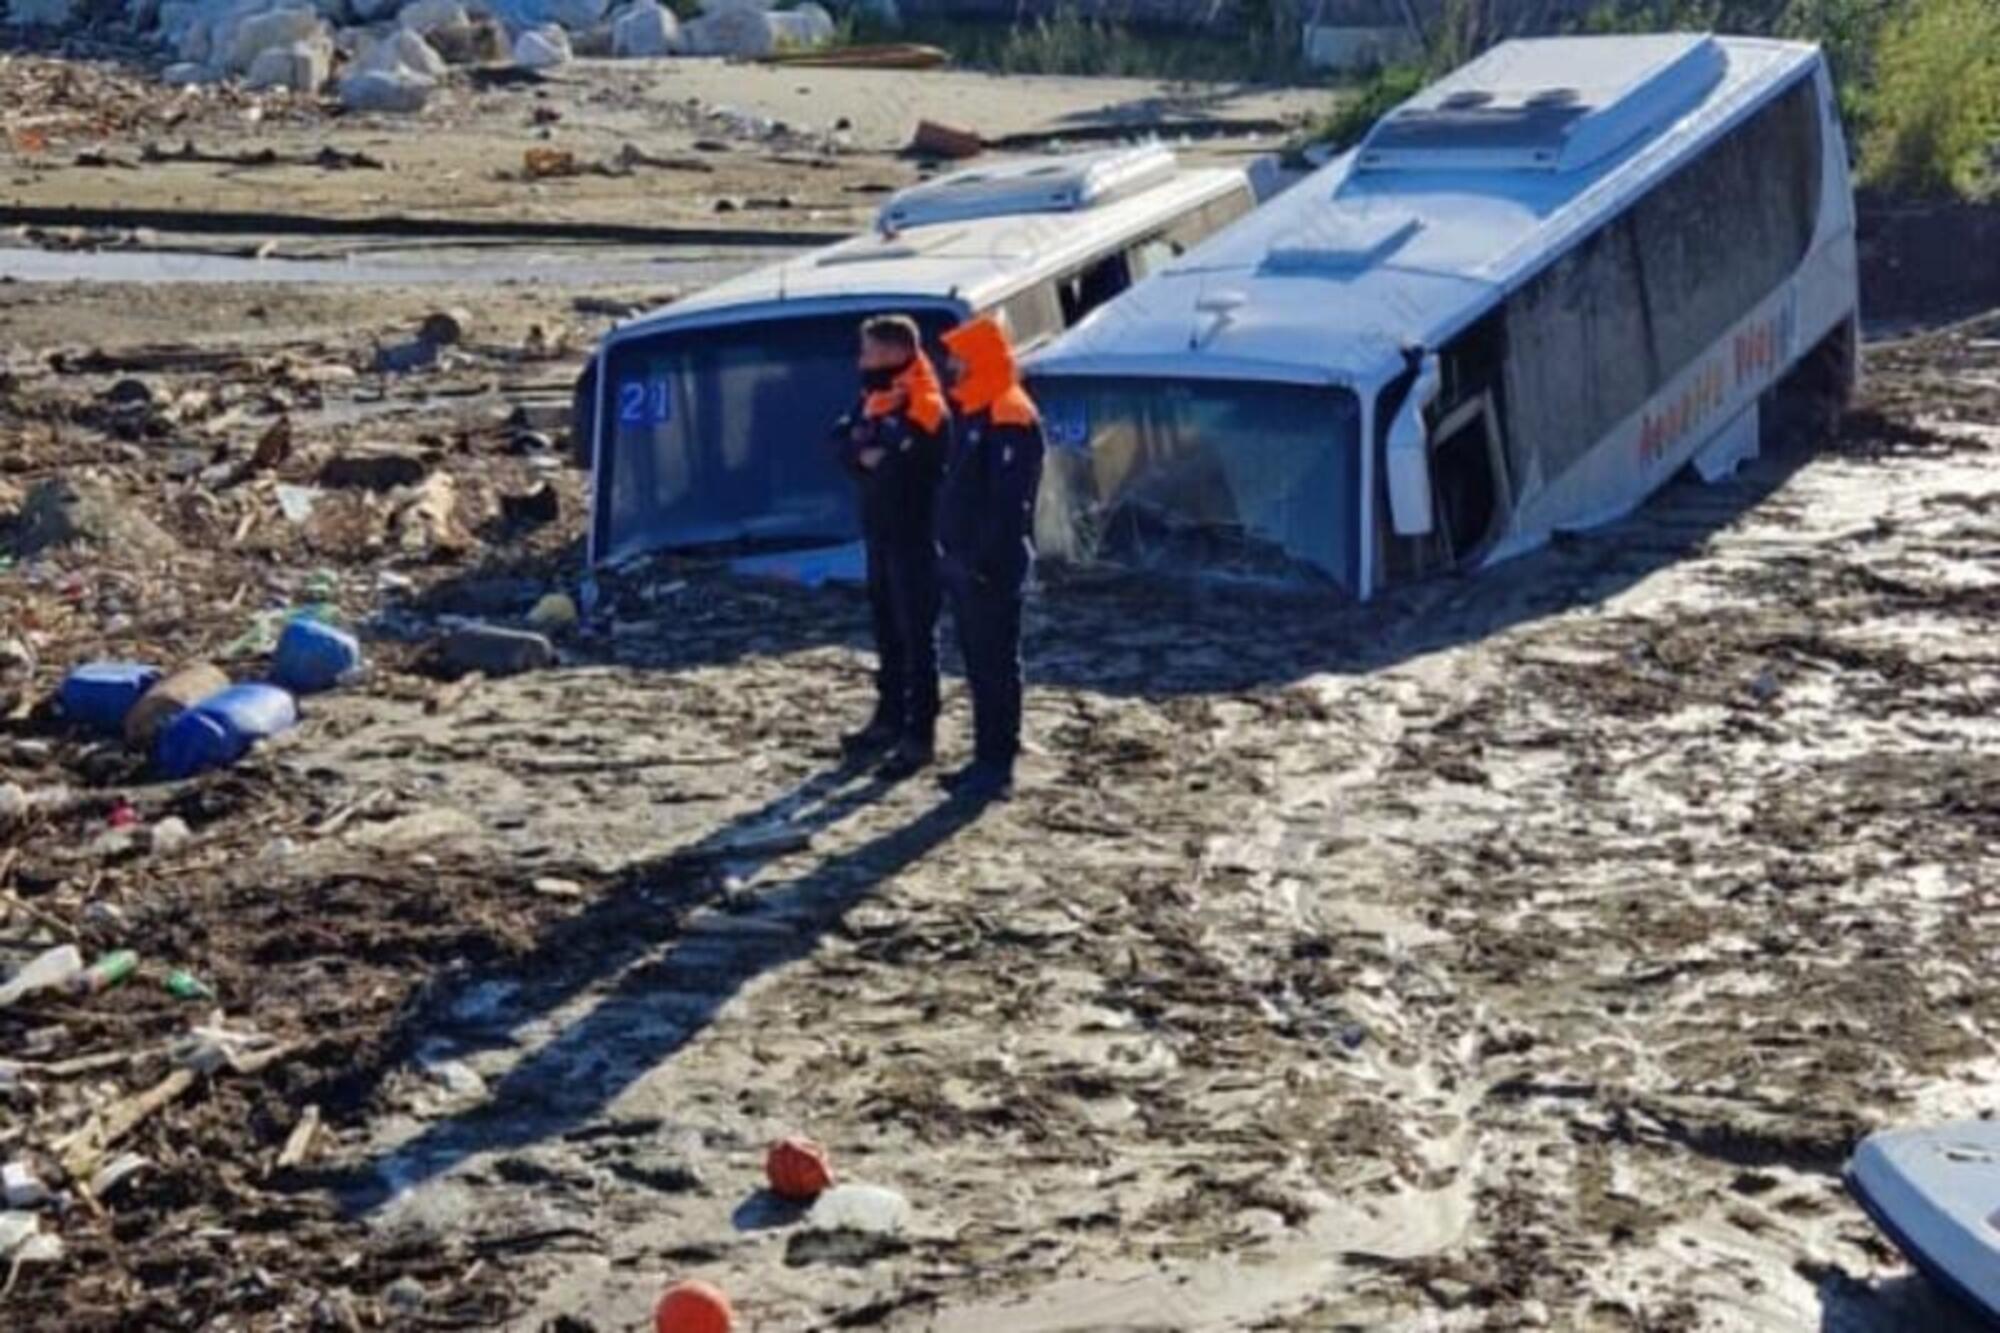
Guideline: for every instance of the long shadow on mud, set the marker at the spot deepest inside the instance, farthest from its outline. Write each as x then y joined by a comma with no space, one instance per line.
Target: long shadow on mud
660,1003
1154,637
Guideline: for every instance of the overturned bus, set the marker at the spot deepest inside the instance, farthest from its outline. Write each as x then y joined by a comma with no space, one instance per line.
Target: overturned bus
707,421
1530,296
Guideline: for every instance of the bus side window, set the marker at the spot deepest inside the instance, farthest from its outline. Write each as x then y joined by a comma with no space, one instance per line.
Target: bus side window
1153,254
1032,316
1084,291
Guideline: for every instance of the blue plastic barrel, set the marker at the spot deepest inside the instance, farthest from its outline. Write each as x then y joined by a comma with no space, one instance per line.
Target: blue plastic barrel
100,694
219,730
314,656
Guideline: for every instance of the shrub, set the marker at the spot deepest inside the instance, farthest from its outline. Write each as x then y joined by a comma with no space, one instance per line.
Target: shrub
1933,108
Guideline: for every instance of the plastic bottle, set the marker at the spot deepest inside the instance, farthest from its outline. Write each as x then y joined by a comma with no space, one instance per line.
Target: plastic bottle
221,729
185,985
105,973
53,968
99,694
314,656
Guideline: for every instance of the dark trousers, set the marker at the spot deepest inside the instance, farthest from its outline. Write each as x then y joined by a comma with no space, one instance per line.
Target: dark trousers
989,637
904,599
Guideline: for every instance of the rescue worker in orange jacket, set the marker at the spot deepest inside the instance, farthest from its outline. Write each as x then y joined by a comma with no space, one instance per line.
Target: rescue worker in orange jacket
895,443
986,538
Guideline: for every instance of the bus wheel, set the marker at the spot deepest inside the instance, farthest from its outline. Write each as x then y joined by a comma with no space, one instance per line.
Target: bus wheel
1803,410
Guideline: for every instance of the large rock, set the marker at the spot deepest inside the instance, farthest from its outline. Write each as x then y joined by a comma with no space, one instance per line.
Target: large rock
401,50
645,29
301,67
479,41
77,511
427,16
802,28
399,90
245,37
741,33
542,48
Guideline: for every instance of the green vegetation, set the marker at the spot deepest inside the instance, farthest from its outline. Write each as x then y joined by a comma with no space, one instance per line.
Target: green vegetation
1255,51
1933,123
1919,80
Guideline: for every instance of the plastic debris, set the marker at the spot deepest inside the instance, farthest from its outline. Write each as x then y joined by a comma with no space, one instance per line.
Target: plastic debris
314,656
553,614
185,985
495,651
115,1173
693,1307
44,972
798,1170
100,694
105,973
871,1209
170,697
169,835
21,1186
222,729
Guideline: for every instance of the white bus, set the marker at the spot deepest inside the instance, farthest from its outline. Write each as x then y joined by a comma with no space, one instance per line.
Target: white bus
707,421
1531,295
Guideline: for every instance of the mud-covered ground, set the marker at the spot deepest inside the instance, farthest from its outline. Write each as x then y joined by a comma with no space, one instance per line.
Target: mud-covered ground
1524,951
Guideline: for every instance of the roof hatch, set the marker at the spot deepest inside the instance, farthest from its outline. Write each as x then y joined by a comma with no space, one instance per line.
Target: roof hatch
1552,104
1032,185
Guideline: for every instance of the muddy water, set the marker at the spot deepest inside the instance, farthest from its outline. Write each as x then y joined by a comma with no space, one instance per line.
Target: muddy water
1525,953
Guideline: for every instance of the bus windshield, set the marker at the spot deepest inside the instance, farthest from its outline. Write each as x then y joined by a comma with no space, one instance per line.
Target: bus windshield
1234,476
718,437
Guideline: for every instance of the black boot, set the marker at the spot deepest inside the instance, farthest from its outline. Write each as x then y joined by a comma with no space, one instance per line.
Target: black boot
981,782
880,734
913,755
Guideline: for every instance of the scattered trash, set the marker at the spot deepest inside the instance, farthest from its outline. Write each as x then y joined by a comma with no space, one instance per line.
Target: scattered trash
169,835
168,698
548,163
693,1307
933,139
552,887
184,985
223,728
296,502
21,1186
538,506
798,1170
101,694
553,614
455,1077
379,470
313,656
299,1143
46,971
406,1295
106,972
115,1173
402,358
494,651
426,519
870,1209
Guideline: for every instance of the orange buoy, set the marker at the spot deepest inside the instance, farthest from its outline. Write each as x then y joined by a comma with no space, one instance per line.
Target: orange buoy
693,1307
798,1170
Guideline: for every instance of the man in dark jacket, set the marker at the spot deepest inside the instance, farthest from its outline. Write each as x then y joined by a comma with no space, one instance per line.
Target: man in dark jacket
895,442
985,531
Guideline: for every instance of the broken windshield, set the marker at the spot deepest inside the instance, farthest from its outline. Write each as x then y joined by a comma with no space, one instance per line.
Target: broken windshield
1240,477
719,436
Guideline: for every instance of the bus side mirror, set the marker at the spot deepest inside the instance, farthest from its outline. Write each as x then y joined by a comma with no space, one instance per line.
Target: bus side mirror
1409,455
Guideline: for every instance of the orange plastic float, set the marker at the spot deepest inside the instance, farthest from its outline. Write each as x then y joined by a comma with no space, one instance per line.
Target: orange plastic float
798,1170
693,1307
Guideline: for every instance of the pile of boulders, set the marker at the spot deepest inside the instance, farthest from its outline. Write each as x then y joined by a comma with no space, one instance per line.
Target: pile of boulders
392,56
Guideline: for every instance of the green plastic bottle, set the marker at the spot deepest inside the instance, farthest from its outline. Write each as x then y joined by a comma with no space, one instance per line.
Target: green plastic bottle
184,985
105,973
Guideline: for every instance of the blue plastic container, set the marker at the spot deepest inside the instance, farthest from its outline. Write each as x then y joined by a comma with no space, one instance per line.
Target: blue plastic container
314,656
100,694
220,730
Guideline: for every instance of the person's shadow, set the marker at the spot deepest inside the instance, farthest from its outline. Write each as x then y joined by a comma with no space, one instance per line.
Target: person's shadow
660,1003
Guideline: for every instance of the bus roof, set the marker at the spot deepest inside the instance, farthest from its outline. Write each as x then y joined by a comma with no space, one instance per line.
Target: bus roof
976,260
1454,200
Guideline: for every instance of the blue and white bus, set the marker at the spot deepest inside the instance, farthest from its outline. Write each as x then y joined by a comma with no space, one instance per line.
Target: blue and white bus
1531,295
706,421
